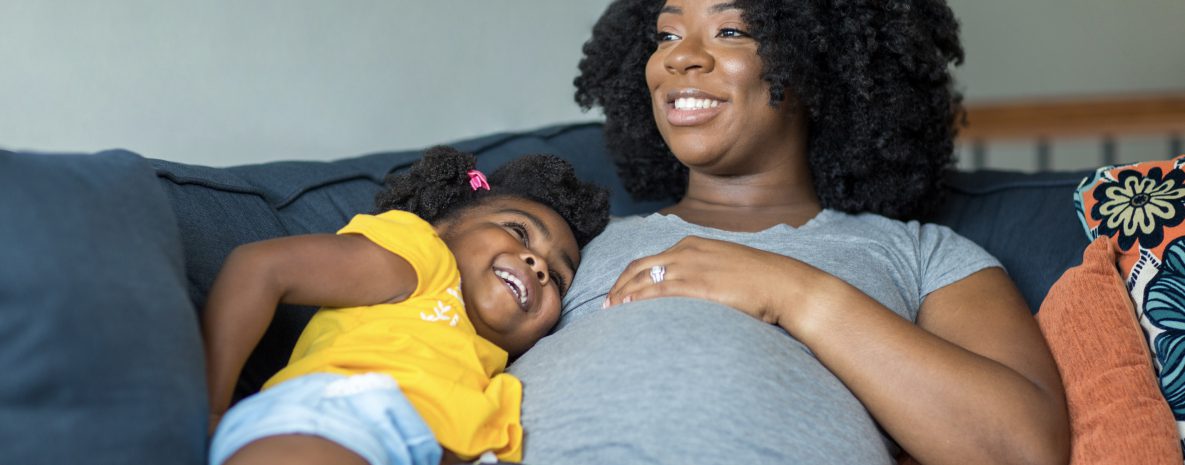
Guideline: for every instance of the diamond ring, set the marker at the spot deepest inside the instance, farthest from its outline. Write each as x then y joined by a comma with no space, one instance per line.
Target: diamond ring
657,273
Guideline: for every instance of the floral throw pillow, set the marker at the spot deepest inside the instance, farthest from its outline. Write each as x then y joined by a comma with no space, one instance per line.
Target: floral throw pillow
1141,207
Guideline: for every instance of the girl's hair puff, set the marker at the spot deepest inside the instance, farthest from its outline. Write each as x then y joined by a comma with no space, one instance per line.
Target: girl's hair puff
437,188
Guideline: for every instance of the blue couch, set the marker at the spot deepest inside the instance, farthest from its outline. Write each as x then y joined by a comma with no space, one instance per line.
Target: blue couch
107,259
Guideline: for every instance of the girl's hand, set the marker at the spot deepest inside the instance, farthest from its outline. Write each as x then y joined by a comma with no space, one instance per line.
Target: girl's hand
753,281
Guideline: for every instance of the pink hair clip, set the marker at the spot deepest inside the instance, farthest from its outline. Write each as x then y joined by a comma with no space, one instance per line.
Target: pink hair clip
477,180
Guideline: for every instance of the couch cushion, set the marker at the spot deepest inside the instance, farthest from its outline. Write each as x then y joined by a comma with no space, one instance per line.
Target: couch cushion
1025,220
102,355
221,208
1022,219
1117,413
1140,208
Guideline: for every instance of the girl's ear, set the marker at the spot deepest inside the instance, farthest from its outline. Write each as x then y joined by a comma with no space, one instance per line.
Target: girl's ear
443,226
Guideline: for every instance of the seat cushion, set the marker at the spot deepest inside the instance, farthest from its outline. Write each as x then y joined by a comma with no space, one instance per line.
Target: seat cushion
102,356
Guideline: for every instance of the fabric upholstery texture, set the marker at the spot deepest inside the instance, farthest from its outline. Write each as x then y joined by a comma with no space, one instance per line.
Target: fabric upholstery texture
101,275
101,354
1023,219
1140,207
1117,413
220,208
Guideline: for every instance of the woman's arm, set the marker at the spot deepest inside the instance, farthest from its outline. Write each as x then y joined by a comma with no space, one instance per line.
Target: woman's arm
972,382
319,270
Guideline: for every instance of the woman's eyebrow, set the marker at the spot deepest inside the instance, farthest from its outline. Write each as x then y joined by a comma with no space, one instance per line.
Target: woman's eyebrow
722,7
717,8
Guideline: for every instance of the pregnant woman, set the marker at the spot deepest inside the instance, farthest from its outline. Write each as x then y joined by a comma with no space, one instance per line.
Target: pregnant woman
786,307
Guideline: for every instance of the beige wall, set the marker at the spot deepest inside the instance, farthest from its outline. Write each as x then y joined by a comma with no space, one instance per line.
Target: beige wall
1042,48
226,82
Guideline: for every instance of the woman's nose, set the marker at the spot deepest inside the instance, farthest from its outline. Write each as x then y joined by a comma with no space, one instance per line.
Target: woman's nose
539,267
688,55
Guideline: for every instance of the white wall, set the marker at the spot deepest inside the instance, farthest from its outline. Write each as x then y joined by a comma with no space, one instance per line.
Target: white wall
225,82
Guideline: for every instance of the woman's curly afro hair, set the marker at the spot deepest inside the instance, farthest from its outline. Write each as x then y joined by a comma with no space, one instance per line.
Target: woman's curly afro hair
436,188
873,76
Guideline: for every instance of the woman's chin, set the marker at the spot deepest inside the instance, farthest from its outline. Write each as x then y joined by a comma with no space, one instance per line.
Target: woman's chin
696,154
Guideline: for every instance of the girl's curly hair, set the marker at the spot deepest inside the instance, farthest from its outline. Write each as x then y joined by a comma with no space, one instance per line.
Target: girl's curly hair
436,188
873,76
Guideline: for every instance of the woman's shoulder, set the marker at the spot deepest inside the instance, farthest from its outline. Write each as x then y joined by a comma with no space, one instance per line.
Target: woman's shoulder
617,223
623,227
873,222
922,238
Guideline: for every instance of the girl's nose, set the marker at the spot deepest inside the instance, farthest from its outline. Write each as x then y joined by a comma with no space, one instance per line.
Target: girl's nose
539,267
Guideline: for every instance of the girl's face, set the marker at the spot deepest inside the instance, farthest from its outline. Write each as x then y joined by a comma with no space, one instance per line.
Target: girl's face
517,258
709,100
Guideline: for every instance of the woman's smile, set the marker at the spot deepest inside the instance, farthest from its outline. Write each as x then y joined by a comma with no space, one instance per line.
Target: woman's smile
708,97
691,107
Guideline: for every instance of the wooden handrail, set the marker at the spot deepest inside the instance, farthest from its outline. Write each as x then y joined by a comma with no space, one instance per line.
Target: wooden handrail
1082,117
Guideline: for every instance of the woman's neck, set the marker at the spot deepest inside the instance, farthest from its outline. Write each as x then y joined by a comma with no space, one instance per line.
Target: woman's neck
748,203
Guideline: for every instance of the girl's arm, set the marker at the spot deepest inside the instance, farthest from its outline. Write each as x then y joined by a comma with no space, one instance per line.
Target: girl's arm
973,381
317,270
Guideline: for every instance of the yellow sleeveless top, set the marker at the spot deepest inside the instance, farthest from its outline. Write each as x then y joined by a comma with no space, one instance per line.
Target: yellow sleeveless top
452,376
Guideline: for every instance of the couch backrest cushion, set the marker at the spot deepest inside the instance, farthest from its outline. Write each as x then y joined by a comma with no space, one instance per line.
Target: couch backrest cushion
1027,221
218,209
101,352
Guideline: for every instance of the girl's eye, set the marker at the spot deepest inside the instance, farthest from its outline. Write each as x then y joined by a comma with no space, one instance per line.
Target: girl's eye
559,282
661,36
732,33
519,230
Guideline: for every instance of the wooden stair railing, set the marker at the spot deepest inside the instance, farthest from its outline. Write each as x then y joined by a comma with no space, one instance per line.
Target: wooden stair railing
1099,117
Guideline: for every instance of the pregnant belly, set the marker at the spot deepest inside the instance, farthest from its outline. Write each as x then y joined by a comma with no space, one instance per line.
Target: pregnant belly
683,381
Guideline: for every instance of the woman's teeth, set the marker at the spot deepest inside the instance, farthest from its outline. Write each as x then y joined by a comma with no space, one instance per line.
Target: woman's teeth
695,103
517,286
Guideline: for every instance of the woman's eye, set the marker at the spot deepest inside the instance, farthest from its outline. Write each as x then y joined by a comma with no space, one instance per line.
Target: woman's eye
732,33
664,37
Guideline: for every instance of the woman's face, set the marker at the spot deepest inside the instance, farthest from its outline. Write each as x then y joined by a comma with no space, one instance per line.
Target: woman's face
709,101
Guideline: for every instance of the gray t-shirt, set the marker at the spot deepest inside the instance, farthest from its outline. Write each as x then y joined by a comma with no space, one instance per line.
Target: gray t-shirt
679,381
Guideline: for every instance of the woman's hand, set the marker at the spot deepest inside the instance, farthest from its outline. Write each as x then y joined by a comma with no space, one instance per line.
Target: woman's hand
753,281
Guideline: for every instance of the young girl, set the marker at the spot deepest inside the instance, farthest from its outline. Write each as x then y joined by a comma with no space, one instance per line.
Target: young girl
422,305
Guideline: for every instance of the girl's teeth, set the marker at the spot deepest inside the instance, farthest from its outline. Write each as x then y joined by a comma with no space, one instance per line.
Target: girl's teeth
519,288
695,103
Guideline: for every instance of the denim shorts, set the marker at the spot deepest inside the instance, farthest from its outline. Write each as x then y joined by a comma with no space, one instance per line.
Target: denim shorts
366,414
